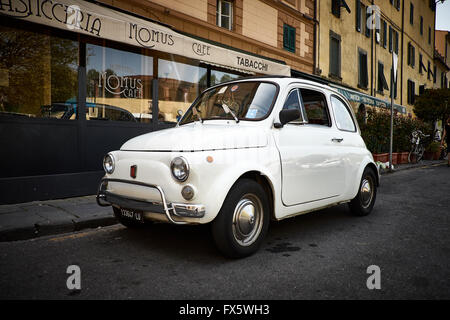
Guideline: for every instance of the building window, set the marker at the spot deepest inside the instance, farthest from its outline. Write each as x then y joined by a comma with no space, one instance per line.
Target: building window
384,34
382,83
429,70
367,33
289,38
411,92
336,8
395,3
411,13
362,69
358,15
119,85
411,55
394,85
434,74
224,14
421,25
420,63
429,35
39,75
179,85
335,54
391,38
396,42
362,13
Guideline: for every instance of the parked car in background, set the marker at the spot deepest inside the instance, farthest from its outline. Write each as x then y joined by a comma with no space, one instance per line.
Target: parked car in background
244,153
94,111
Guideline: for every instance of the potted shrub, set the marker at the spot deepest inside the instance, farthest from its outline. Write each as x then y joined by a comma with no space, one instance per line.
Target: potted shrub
433,150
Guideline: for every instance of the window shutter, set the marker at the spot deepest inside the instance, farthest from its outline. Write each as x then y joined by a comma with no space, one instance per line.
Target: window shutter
390,39
285,37
292,39
384,34
358,15
367,29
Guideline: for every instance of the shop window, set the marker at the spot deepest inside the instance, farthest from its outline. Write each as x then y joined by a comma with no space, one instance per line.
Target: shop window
119,85
224,14
179,86
219,77
38,75
289,38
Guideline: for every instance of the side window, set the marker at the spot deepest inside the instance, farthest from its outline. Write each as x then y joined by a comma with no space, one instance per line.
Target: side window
293,102
344,120
315,106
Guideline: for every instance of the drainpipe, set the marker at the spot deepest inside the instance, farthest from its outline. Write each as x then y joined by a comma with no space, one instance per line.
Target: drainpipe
401,59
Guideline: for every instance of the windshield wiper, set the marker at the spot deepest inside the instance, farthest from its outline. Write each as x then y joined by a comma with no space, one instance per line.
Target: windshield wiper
228,110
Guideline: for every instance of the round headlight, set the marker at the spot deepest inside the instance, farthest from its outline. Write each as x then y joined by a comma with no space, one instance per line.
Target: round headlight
108,163
180,169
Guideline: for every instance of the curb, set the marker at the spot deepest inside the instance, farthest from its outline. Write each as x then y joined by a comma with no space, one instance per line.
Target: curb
423,166
39,230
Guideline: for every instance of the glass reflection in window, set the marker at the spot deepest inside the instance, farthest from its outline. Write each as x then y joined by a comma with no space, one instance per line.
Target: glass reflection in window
119,85
38,75
179,86
219,77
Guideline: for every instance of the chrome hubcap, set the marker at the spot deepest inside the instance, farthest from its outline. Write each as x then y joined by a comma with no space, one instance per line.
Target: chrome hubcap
247,220
366,192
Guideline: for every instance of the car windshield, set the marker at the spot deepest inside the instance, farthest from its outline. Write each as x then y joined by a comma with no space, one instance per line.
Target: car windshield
249,100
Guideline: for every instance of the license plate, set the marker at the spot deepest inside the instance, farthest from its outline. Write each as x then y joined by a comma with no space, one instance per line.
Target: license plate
132,214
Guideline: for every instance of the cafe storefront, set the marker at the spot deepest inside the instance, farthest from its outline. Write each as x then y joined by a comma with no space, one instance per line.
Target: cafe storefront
78,79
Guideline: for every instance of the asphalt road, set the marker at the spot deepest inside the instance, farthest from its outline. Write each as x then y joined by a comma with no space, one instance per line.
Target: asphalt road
322,255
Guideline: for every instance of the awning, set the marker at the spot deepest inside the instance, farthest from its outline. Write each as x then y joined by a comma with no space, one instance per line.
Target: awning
355,96
98,21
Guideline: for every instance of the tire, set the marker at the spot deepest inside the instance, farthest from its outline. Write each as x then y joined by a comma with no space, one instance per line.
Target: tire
127,222
364,201
242,223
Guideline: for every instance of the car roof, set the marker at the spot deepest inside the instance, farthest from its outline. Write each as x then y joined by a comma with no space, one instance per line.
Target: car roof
282,81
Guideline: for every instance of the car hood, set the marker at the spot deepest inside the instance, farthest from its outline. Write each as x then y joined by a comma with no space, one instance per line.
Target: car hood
200,137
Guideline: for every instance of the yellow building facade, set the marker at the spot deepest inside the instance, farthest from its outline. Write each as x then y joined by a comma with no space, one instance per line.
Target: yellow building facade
367,33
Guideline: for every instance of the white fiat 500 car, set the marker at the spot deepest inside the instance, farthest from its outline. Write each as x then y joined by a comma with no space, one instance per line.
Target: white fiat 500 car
245,152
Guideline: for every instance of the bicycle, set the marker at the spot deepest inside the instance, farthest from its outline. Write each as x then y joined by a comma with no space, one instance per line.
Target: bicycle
417,146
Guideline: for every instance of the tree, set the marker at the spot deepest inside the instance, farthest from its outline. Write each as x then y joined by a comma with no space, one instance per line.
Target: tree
433,105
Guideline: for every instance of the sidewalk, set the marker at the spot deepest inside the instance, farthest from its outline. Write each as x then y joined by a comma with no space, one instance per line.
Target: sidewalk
33,219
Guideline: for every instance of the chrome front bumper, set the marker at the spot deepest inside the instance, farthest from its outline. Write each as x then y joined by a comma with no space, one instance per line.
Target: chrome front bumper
106,198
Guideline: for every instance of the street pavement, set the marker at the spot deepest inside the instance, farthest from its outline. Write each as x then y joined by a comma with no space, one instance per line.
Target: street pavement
321,255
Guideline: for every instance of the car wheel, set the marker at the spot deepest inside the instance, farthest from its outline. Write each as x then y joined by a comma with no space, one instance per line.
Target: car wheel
364,201
129,223
243,220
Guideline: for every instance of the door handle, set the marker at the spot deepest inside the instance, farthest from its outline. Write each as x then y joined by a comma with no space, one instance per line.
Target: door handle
337,139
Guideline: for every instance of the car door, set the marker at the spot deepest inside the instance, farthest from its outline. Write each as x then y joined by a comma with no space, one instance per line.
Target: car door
311,167
349,144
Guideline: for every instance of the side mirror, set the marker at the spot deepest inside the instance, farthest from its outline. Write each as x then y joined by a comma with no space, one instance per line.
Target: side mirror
179,114
288,115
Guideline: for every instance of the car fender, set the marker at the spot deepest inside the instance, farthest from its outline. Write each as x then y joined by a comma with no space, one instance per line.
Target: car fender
366,161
